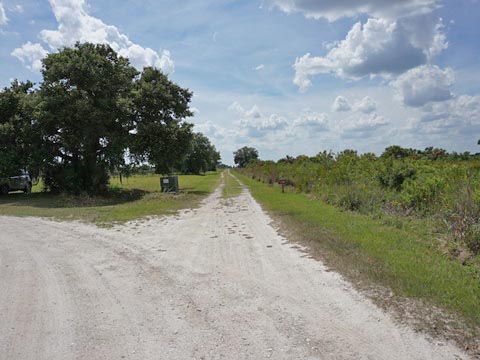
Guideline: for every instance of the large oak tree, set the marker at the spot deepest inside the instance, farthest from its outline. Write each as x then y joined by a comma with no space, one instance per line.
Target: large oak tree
84,115
94,108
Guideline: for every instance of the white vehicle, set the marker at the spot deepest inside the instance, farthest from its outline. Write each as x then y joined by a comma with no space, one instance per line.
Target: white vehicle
22,182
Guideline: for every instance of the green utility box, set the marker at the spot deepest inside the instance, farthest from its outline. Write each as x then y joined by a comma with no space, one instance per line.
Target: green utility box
169,184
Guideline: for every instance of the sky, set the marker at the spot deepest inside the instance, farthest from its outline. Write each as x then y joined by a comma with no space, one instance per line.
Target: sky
287,77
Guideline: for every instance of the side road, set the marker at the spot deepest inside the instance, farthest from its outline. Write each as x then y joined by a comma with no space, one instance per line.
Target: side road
217,282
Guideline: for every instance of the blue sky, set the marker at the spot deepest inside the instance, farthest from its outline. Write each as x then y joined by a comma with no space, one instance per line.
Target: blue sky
284,76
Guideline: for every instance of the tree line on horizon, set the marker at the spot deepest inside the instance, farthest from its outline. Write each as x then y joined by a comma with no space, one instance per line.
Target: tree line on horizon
246,154
93,114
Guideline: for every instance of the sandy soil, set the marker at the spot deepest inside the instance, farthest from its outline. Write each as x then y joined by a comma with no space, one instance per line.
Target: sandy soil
213,283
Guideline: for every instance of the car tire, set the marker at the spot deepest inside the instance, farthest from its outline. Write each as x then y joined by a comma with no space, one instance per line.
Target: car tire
28,189
4,190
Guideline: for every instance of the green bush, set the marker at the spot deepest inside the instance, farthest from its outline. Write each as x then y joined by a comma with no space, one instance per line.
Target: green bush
422,195
394,174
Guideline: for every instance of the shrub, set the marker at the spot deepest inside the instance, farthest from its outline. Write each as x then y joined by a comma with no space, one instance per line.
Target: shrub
443,189
394,174
422,195
464,220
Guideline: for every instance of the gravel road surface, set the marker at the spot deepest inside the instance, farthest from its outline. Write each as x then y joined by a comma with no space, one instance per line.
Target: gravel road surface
217,282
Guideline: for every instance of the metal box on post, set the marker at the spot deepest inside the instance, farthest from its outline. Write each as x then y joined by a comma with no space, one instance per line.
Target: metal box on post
169,184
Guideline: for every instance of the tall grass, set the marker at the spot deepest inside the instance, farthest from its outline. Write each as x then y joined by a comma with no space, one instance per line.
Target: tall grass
231,186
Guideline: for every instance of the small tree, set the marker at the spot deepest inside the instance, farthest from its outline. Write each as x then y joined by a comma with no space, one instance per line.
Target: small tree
244,155
397,152
435,153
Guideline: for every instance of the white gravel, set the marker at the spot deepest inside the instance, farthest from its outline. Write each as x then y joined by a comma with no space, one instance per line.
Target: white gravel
213,283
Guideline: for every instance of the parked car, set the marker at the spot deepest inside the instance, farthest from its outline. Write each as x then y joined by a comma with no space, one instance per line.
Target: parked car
22,182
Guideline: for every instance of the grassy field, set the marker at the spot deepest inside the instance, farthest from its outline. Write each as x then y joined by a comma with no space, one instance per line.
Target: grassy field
138,197
232,188
369,251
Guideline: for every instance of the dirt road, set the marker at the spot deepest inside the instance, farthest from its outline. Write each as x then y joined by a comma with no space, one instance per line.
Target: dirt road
212,283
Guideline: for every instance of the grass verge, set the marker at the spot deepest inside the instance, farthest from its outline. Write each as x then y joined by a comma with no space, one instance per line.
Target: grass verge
231,186
137,197
368,251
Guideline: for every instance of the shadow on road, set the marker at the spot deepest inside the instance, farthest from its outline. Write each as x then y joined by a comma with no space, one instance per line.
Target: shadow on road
52,201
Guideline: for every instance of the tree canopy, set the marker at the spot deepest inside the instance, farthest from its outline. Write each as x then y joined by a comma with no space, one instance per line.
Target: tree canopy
18,130
84,115
397,152
91,113
201,157
161,135
244,155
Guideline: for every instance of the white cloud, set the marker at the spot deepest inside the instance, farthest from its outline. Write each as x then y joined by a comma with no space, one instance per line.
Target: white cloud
362,126
456,122
31,55
361,120
273,122
341,104
258,125
263,126
366,105
18,9
312,122
211,130
253,113
259,67
75,24
254,124
237,108
379,47
3,15
460,114
424,84
335,9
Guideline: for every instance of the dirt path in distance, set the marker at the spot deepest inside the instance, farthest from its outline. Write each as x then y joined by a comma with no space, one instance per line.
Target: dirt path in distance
217,282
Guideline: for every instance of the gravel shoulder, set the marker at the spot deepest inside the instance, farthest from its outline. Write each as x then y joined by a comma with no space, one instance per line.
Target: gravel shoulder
217,282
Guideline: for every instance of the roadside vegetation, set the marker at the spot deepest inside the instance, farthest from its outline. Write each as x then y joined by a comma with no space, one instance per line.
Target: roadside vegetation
407,220
231,186
137,197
